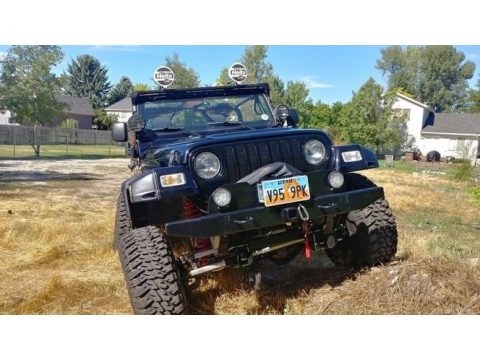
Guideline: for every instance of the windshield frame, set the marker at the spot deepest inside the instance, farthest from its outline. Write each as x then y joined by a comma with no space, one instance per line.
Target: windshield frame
206,113
261,91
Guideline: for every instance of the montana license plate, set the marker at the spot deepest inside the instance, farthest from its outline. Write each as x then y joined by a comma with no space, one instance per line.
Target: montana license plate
284,191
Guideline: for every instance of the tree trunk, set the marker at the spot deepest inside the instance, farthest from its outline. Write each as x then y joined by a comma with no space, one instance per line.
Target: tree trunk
34,142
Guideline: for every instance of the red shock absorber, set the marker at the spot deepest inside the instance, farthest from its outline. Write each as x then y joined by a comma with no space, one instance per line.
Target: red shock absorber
191,211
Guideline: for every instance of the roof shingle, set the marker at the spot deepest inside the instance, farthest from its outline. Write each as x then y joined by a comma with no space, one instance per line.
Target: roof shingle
75,105
453,123
123,105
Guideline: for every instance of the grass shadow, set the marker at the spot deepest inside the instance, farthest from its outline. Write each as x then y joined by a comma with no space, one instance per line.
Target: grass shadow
35,175
278,285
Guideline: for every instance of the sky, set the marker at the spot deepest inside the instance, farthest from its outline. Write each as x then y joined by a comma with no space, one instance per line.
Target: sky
333,48
331,72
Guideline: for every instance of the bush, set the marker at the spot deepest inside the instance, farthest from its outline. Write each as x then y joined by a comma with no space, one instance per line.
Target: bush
464,170
476,193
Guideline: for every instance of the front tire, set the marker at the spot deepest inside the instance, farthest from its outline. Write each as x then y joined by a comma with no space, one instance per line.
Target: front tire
373,230
122,222
153,279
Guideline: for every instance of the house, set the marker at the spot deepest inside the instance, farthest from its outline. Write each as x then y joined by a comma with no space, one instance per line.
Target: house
5,117
416,114
451,134
76,108
122,109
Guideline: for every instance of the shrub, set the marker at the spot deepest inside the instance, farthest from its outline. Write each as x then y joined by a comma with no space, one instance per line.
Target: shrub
464,170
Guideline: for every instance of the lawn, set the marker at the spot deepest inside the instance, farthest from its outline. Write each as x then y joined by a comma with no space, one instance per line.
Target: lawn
61,151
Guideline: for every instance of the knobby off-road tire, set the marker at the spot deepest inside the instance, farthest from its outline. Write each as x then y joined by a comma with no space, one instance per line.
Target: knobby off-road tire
122,222
375,232
153,280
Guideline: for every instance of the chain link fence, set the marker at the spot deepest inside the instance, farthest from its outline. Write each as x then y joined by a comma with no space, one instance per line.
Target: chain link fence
15,140
23,135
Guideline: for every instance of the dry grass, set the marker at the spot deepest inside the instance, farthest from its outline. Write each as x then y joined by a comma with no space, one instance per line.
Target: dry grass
56,247
56,255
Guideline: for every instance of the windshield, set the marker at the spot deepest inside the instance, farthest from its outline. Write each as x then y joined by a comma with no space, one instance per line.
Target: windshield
206,113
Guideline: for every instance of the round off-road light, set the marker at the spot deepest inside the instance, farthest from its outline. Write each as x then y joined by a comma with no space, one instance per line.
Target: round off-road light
222,197
335,179
207,165
314,152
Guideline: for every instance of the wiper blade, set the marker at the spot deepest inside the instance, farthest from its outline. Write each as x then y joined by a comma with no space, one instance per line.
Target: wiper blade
229,123
167,129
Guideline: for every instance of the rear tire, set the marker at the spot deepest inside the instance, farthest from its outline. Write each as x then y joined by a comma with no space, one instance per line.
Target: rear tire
153,279
374,232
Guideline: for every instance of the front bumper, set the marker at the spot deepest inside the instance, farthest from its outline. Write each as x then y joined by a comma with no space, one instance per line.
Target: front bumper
257,217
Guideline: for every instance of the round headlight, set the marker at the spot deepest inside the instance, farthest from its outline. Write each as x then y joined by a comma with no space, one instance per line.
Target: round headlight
314,152
336,179
207,165
222,197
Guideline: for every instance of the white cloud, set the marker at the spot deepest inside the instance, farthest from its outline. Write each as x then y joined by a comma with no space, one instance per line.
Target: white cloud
314,84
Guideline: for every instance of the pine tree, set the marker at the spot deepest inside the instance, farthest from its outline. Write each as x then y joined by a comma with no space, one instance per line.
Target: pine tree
87,78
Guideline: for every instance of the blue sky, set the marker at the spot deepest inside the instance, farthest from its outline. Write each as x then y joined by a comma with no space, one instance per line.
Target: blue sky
331,72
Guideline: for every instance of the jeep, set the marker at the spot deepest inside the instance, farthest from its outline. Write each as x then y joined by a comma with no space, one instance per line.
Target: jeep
222,179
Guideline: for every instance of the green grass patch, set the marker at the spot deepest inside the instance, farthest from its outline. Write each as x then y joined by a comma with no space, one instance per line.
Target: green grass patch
61,151
402,166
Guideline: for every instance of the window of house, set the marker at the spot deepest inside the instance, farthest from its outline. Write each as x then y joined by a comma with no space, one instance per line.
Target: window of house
460,144
402,113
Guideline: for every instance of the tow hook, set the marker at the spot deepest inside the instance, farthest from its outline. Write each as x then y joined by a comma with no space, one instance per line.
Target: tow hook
307,226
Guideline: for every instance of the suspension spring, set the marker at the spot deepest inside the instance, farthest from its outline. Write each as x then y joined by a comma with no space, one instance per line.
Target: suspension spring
200,245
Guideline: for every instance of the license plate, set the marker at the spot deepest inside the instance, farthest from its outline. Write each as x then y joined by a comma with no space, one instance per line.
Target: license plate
284,191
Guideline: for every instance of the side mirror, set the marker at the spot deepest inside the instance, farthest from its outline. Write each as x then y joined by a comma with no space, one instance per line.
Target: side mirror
293,117
286,116
136,123
119,132
281,113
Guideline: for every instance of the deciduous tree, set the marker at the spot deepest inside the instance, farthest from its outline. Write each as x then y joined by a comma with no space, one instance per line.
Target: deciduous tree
368,119
185,77
435,75
28,86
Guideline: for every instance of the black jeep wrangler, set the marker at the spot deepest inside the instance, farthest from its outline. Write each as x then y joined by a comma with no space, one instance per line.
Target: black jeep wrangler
222,180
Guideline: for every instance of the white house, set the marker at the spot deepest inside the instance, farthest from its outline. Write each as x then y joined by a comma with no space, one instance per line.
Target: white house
123,109
416,114
5,117
451,134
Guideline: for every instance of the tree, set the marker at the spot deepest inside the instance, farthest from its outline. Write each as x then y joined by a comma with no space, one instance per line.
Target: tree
368,119
277,89
87,78
104,121
254,59
27,86
333,127
319,117
121,90
185,77
296,97
141,87
435,75
474,99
